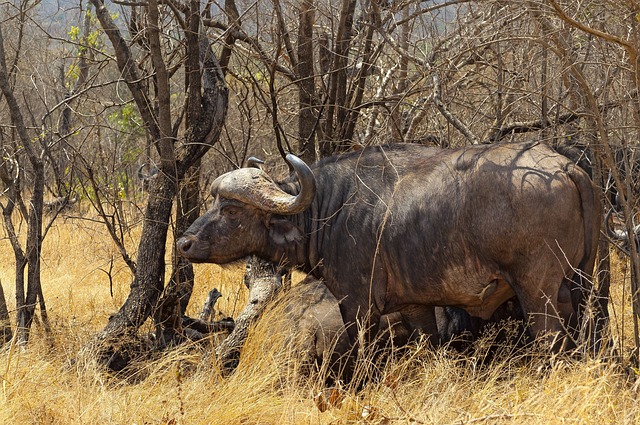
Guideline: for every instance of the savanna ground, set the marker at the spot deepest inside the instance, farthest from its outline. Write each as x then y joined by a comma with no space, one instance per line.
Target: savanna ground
44,384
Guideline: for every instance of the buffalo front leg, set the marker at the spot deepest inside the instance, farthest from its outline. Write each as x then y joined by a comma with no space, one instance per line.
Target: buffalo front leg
362,323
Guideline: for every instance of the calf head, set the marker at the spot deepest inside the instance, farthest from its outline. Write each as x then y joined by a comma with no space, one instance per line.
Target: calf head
247,216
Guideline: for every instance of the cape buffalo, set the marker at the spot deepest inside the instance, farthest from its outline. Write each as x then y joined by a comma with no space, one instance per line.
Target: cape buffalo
308,317
402,228
620,235
314,327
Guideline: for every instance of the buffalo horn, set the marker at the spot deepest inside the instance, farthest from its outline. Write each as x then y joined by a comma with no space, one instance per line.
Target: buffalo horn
254,187
254,162
619,234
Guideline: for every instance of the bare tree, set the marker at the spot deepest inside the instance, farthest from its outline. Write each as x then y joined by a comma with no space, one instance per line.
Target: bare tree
200,124
601,113
28,257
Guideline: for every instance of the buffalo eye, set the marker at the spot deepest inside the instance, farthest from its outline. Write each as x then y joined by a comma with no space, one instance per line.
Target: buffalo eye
231,211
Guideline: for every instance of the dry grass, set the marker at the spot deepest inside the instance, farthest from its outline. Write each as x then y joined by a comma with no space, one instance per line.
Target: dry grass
43,385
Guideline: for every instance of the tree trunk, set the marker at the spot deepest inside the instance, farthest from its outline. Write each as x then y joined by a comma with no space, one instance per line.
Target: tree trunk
306,85
206,111
13,199
348,120
176,296
598,331
33,251
149,279
189,210
5,321
25,306
337,111
397,122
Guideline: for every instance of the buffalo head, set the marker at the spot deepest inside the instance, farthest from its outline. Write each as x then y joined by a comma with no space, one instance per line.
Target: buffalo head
620,235
246,216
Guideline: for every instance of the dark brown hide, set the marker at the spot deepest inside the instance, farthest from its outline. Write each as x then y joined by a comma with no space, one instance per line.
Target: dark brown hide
402,228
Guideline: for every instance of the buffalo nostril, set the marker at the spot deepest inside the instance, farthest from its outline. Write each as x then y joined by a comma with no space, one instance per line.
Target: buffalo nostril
184,244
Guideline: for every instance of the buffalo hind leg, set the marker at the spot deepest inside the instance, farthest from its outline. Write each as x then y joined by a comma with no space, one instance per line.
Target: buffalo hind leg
549,315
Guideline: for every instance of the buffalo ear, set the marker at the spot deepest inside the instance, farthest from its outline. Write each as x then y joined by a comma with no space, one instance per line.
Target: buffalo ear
283,232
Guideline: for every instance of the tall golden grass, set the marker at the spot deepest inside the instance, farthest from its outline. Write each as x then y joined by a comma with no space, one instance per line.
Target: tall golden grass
44,384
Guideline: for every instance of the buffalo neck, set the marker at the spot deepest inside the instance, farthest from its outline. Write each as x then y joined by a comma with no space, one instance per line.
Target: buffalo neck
301,253
292,253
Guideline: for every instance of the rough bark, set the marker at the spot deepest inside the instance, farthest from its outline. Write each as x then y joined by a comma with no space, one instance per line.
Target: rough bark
149,279
33,252
207,106
306,87
336,110
230,36
177,293
168,314
5,322
26,303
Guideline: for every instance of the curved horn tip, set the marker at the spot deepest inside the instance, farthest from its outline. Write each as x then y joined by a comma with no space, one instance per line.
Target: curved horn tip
307,184
293,159
616,234
254,162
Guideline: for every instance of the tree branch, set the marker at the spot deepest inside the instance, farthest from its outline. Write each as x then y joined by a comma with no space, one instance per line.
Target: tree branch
453,120
215,99
127,66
